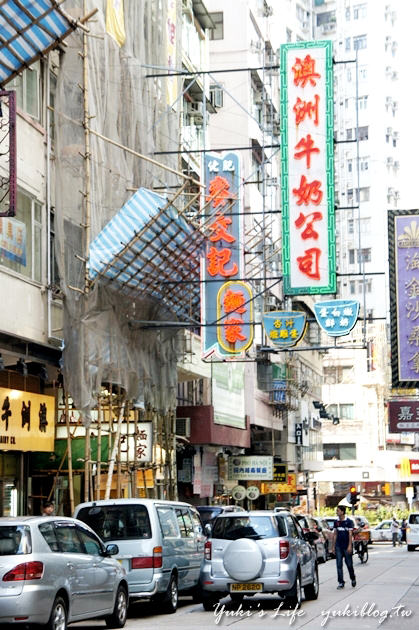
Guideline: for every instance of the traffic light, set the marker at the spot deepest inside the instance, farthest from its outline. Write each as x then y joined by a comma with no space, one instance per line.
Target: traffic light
354,498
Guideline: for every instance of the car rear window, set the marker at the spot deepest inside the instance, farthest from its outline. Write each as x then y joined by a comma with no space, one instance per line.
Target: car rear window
255,527
413,519
117,522
209,514
15,540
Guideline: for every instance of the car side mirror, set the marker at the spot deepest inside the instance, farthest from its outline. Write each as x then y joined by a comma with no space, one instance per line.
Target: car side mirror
111,550
208,530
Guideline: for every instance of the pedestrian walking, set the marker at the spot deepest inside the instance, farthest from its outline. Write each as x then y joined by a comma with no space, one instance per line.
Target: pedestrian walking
48,509
394,529
403,528
342,545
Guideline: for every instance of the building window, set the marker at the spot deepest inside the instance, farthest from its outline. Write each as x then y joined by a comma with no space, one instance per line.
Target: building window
363,73
364,164
348,43
350,226
346,411
350,196
348,13
351,256
21,239
27,89
349,134
218,31
349,166
352,287
360,11
339,451
362,133
363,102
216,96
360,42
367,284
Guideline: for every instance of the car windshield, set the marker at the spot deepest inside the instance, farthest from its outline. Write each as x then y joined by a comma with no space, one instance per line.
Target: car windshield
255,527
414,519
15,540
117,522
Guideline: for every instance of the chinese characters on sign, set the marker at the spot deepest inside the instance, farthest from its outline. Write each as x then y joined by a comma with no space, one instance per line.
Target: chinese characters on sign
404,300
27,421
337,317
226,300
307,168
13,240
284,328
403,415
250,467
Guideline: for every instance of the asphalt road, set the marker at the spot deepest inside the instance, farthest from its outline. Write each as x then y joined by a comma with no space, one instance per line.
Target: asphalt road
386,596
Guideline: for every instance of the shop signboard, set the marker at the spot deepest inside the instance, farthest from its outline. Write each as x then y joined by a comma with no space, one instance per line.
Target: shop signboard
228,394
307,179
226,301
284,328
403,416
403,231
244,467
27,421
280,473
337,317
278,488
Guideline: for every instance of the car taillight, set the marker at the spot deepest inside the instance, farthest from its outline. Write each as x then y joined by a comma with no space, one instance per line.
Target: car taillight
157,557
149,562
284,549
207,550
25,571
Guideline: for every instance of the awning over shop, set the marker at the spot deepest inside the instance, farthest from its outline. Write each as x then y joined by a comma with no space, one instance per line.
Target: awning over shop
28,30
149,248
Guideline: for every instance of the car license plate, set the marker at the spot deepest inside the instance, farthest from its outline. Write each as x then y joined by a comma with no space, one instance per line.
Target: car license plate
245,588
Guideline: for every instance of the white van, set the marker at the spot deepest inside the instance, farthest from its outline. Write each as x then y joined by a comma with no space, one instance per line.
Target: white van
412,531
161,544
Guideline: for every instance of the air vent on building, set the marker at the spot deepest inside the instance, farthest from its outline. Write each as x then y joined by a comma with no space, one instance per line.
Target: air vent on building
183,427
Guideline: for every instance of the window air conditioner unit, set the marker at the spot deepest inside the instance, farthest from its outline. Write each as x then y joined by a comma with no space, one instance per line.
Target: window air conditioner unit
183,427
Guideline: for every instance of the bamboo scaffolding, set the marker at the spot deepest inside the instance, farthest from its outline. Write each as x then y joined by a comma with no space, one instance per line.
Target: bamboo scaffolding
70,455
99,447
114,452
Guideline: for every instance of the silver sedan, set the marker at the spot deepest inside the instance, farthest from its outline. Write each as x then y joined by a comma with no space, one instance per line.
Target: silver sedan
55,570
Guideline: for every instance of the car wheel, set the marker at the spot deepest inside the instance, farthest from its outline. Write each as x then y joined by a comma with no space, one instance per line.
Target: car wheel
411,547
120,610
311,591
171,596
237,598
58,617
294,600
209,601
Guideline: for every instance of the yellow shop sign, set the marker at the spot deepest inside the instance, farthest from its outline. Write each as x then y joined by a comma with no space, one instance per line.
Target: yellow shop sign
27,421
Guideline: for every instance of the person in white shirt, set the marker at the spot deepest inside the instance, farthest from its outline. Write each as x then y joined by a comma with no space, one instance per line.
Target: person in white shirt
394,528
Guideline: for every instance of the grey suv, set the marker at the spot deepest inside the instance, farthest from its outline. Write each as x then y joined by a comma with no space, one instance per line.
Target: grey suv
258,552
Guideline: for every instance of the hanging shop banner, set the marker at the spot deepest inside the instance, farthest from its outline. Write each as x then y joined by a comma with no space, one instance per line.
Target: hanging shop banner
403,233
27,421
284,328
222,263
403,416
307,182
13,240
337,317
235,312
244,467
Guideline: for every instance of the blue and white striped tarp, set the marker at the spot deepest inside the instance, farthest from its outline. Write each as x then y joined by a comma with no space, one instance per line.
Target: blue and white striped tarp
29,29
146,250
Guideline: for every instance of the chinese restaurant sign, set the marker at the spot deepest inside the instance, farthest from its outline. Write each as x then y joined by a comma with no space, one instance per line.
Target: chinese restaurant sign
13,240
27,421
290,485
307,183
337,317
226,301
403,230
284,328
403,415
